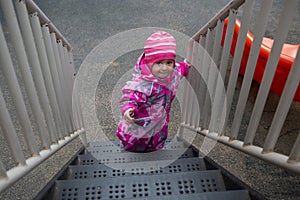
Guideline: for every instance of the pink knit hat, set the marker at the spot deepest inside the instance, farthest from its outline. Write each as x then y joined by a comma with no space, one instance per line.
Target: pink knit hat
159,46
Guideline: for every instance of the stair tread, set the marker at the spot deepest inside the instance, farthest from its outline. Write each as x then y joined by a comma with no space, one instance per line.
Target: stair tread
222,195
112,148
106,158
141,186
139,168
117,142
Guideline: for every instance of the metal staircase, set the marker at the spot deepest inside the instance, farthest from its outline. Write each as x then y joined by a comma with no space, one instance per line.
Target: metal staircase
101,171
45,111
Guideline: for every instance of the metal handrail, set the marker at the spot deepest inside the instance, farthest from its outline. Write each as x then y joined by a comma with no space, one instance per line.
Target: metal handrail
219,96
221,15
44,59
16,173
33,8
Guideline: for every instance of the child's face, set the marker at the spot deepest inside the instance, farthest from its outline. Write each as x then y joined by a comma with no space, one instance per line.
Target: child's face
163,68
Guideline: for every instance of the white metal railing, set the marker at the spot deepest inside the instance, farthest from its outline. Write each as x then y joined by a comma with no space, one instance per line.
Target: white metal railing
45,63
215,99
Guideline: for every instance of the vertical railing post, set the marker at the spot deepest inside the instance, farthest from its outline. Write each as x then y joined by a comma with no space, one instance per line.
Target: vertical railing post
69,81
34,62
72,73
195,64
37,32
239,49
17,42
186,86
69,72
185,92
61,80
283,105
191,92
285,21
71,63
218,107
213,74
216,54
75,113
206,63
76,107
80,112
61,85
200,83
259,29
10,75
227,43
54,74
220,97
81,122
64,80
9,133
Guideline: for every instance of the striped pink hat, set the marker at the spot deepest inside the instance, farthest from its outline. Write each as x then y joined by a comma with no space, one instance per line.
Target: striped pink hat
159,46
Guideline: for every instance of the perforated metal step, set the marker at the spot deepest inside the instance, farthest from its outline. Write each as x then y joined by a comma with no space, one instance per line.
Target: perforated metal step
140,186
107,158
225,195
112,148
137,168
117,142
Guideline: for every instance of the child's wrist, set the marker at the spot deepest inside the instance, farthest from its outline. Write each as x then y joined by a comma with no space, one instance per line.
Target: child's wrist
187,62
128,111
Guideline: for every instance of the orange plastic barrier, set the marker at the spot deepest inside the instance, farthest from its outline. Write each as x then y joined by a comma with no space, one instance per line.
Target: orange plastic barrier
285,62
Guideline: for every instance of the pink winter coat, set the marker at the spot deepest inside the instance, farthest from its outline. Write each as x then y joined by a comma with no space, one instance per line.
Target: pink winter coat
151,99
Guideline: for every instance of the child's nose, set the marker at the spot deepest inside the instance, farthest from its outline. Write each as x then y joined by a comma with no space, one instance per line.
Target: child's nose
164,66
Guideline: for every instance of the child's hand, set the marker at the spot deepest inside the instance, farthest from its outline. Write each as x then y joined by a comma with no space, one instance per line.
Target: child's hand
128,115
187,62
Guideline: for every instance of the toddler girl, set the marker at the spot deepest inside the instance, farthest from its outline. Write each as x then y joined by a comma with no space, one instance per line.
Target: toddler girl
147,98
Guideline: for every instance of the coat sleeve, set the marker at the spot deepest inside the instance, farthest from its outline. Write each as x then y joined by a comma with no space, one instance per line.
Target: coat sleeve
131,99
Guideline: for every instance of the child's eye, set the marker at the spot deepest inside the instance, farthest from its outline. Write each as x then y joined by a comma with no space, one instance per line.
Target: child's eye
159,63
169,62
